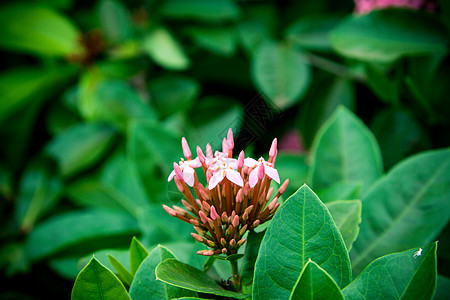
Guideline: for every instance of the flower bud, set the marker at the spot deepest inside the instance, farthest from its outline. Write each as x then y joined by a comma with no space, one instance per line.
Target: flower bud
186,151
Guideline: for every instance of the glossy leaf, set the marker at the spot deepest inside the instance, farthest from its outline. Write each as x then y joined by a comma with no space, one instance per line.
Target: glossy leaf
405,275
386,35
315,283
80,146
137,255
122,273
345,150
174,93
176,273
115,20
39,191
96,281
165,50
252,246
408,207
202,10
221,41
341,190
37,30
281,74
302,229
24,86
113,101
65,231
347,216
145,284
312,32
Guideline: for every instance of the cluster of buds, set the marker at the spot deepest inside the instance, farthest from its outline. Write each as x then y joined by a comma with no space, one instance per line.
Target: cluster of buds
237,198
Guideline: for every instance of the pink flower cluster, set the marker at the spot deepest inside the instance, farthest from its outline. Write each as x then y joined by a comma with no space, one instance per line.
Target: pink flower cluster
365,6
238,196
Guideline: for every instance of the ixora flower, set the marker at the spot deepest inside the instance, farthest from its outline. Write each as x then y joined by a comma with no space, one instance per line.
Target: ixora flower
237,197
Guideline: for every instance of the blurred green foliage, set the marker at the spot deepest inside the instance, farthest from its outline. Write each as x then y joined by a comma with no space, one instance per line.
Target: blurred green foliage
97,95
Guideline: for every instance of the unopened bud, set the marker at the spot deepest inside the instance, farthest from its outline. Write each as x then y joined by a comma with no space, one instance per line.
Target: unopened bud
203,217
241,242
269,193
210,243
201,252
213,213
200,155
239,196
273,203
208,253
245,216
203,192
283,187
224,250
261,171
199,230
186,151
223,242
224,218
225,146
235,221
194,222
179,185
179,210
256,224
187,205
246,189
273,148
209,153
206,207
197,237
249,209
169,210
243,230
233,243
230,139
178,171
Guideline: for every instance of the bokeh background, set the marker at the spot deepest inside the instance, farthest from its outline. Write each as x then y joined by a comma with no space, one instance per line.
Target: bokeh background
96,95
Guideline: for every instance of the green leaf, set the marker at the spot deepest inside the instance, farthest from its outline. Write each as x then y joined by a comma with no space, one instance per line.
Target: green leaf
86,229
326,94
176,273
315,283
347,216
122,273
386,35
383,84
281,73
404,275
37,30
152,149
39,191
80,146
115,20
408,207
112,100
312,32
165,50
345,150
173,93
21,87
96,281
145,285
400,135
253,33
302,229
221,41
137,255
201,10
252,246
341,190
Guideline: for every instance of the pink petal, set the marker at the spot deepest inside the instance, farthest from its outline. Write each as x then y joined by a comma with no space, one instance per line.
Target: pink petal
171,176
235,177
250,162
188,175
253,178
185,147
215,179
272,173
195,163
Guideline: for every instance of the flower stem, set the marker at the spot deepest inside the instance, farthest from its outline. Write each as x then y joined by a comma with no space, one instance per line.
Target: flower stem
236,276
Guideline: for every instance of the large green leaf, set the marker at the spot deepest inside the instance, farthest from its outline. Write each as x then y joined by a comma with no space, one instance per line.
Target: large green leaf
39,191
341,190
347,216
252,245
302,229
410,274
173,93
407,208
315,283
219,40
165,50
96,281
22,86
202,10
80,146
179,274
112,100
386,35
312,32
37,30
345,150
137,255
281,73
145,285
86,229
115,20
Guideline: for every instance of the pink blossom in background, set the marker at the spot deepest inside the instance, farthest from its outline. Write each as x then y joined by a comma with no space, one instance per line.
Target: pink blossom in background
365,6
292,142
